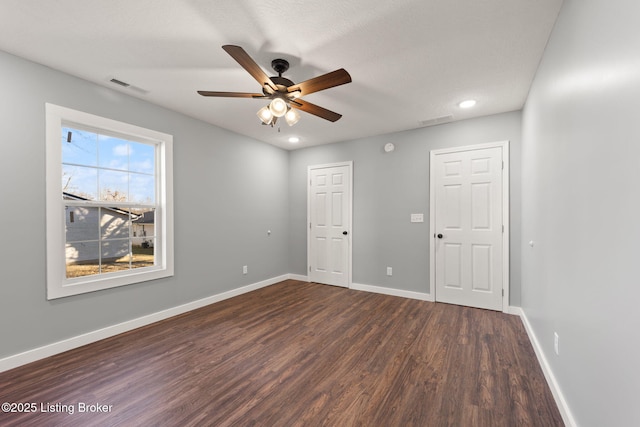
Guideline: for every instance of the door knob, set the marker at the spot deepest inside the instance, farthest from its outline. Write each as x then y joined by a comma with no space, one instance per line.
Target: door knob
345,232
439,236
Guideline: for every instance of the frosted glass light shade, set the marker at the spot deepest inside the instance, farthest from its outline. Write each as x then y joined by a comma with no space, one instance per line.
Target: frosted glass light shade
278,107
265,115
292,117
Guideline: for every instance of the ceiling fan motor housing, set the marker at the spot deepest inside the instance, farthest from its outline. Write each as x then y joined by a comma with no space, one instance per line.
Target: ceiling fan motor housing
282,81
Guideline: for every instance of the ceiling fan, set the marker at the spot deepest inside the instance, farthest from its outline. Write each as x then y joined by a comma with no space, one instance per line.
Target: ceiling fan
284,94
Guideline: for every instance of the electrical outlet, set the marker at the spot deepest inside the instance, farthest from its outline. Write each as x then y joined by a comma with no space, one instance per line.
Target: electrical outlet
556,343
389,271
245,270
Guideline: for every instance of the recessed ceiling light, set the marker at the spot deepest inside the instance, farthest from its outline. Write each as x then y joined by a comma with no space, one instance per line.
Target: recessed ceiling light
467,104
294,139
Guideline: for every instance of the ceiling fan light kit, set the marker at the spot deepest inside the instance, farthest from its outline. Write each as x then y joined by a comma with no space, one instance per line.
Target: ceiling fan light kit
278,107
265,115
284,94
292,117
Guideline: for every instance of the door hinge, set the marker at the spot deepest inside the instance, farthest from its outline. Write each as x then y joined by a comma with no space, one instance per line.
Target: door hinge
503,292
309,226
310,270
503,165
503,228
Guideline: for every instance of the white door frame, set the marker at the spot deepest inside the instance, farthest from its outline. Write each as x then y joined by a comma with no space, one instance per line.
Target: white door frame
350,224
505,215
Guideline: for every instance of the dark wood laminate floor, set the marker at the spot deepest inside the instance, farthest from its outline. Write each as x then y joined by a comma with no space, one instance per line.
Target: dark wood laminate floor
298,354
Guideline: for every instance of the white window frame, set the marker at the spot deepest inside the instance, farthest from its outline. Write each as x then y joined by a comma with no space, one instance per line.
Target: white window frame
58,285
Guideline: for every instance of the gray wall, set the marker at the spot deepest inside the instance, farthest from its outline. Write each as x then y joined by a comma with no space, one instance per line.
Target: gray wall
387,188
229,190
581,174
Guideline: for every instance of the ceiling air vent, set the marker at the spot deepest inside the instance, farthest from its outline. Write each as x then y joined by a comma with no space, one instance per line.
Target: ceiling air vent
120,82
436,121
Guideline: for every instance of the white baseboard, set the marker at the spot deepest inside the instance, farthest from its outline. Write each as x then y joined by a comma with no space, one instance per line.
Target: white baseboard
567,416
29,356
517,311
378,289
393,292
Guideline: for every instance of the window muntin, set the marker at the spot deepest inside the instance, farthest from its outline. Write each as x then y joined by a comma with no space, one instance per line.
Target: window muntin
109,218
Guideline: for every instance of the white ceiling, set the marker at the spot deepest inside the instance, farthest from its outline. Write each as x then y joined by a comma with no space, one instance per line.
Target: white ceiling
411,61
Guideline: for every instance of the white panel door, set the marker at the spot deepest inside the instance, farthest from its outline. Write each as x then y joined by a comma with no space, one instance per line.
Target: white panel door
468,228
330,224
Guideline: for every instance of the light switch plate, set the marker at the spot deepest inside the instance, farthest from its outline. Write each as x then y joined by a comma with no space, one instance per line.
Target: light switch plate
417,217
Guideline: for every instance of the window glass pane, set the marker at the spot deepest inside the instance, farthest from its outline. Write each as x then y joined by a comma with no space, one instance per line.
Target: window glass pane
80,181
114,249
81,223
114,186
143,224
114,224
142,188
115,255
82,259
114,153
142,158
143,254
81,147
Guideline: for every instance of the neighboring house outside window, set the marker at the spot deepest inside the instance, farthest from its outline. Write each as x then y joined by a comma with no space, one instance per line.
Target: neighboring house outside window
112,183
143,227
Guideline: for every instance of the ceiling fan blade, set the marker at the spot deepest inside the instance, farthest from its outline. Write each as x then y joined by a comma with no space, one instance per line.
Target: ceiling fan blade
310,108
249,64
325,81
231,94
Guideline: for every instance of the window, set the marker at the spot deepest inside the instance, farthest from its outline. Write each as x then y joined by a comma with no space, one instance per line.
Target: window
112,182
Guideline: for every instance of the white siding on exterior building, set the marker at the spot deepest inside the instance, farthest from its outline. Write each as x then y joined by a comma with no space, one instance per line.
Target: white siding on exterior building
86,225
